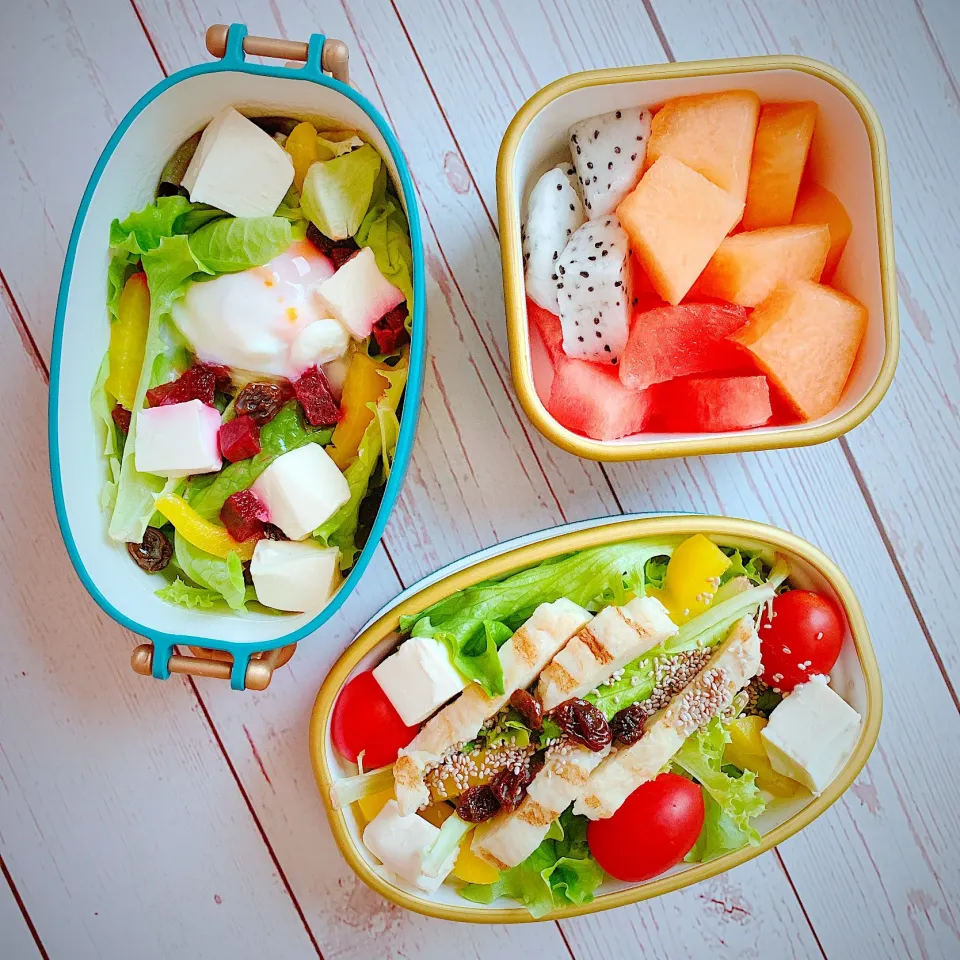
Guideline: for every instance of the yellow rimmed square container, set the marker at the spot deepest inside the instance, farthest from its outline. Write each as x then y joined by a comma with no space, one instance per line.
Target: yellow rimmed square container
848,156
855,677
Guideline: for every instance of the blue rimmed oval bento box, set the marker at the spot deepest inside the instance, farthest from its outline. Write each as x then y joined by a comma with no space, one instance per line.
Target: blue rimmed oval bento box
855,677
247,649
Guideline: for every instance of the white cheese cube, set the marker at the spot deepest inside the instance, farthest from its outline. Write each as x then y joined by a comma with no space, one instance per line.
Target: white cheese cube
294,576
400,843
419,678
177,439
811,734
238,168
317,343
302,489
358,294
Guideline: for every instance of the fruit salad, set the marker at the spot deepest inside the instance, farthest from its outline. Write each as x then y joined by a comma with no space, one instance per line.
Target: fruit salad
608,715
680,272
259,324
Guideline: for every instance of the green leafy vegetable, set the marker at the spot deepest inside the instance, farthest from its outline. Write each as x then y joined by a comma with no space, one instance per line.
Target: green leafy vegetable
559,872
176,166
143,230
336,193
752,564
452,831
477,658
361,785
378,444
335,143
385,231
122,265
185,595
102,406
655,572
222,576
634,686
239,243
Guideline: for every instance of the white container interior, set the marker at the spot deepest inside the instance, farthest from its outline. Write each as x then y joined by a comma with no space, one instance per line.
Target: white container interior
847,678
128,183
840,160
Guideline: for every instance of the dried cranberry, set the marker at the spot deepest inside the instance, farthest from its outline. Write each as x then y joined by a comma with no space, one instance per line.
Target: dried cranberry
341,254
121,417
583,722
263,400
197,383
627,726
390,331
477,804
243,514
313,392
339,251
154,552
510,786
272,532
529,707
239,438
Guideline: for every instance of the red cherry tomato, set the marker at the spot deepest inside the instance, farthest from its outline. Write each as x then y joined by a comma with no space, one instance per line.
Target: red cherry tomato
364,719
654,830
803,638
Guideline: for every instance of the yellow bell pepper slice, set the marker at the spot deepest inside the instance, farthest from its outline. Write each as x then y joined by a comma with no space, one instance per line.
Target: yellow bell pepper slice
746,751
302,147
364,385
471,869
436,813
372,805
201,533
128,340
693,576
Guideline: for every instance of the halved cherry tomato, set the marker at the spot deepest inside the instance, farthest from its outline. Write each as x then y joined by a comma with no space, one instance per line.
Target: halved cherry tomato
365,720
653,830
803,638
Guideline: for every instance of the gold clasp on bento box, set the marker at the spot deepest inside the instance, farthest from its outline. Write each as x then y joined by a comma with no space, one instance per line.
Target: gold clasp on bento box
216,664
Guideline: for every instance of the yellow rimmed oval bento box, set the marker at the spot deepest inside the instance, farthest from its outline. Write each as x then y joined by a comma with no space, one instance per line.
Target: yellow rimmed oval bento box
848,156
856,677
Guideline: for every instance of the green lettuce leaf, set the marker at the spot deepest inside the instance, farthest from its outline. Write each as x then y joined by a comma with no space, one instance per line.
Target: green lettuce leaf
335,143
223,577
378,445
559,872
143,230
336,193
655,572
385,231
102,405
477,658
122,265
753,564
185,595
239,243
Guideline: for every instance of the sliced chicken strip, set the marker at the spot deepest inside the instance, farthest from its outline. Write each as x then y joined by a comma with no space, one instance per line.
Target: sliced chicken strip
523,656
710,692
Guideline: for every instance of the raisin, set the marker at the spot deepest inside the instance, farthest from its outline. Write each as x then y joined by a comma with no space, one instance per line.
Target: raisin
627,726
262,400
583,722
247,575
529,707
477,804
272,532
121,417
153,553
510,787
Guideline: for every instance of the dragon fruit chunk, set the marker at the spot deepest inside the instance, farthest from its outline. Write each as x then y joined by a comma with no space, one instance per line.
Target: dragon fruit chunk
608,152
594,290
554,211
358,294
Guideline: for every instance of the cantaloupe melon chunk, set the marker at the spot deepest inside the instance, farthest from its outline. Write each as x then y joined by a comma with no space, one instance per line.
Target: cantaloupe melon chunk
805,337
711,133
676,218
748,267
818,205
779,156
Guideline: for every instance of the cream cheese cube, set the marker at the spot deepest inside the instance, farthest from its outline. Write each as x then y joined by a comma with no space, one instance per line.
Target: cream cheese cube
811,734
419,678
401,843
238,167
294,576
302,489
178,439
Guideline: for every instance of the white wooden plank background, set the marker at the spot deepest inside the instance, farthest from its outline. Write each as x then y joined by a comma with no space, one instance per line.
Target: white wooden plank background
145,819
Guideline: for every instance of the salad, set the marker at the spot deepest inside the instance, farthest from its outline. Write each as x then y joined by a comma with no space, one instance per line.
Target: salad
679,272
260,313
611,713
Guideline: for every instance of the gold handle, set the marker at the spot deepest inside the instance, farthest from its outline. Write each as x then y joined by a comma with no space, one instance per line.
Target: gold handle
335,58
216,664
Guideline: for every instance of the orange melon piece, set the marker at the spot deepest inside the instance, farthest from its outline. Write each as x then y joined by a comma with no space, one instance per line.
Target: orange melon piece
711,133
805,337
779,156
676,219
818,205
748,267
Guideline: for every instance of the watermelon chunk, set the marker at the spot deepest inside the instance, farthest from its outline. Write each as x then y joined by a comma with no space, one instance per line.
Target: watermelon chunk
669,342
713,404
805,337
747,267
589,398
817,205
711,133
548,326
779,157
676,219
